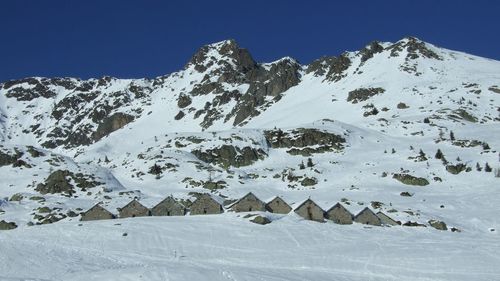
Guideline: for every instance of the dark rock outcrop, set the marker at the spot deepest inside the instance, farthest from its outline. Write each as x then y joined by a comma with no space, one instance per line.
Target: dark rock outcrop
261,220
183,101
179,115
439,225
8,159
456,169
332,67
368,51
4,225
363,94
111,124
410,180
230,156
300,139
60,182
414,47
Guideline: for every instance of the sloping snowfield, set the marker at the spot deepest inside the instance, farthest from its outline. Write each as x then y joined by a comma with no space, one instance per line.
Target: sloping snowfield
226,247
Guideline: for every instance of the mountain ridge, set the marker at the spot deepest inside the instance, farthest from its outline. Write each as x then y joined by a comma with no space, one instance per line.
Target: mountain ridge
371,121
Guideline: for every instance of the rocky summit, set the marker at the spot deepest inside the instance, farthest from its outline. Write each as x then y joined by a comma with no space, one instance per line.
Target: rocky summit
407,127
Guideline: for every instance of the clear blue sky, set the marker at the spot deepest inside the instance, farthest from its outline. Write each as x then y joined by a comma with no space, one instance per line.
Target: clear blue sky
148,38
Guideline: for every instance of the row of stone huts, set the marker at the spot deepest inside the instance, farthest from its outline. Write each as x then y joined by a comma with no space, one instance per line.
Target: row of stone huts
208,204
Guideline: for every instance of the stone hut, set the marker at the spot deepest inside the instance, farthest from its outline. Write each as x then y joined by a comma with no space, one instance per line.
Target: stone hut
168,207
278,206
134,209
367,216
339,214
97,213
205,204
248,203
385,219
310,211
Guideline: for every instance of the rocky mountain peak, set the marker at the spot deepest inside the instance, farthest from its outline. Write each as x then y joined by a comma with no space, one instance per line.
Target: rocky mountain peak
414,47
226,53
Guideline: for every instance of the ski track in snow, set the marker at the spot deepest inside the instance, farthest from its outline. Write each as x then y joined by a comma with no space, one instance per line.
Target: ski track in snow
227,247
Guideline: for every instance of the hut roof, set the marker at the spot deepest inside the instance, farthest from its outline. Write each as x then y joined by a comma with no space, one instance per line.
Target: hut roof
131,202
338,205
273,198
215,198
300,204
245,196
366,210
97,207
385,218
170,198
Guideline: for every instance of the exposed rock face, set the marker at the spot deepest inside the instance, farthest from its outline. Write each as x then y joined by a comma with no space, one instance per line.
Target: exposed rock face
415,49
462,114
368,51
261,220
230,156
201,60
111,124
179,115
227,63
332,67
414,224
57,182
300,139
8,159
410,180
263,83
183,101
440,225
4,225
456,169
494,89
30,88
84,105
17,197
60,181
363,94
309,181
214,185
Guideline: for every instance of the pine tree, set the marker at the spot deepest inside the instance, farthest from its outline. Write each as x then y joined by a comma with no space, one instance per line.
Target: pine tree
302,166
310,162
439,154
452,136
478,167
421,153
155,170
487,168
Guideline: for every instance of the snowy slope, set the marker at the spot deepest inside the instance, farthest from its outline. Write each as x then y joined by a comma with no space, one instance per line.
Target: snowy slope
226,247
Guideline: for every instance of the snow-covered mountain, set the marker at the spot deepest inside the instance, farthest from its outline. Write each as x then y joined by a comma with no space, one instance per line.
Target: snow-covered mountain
370,121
